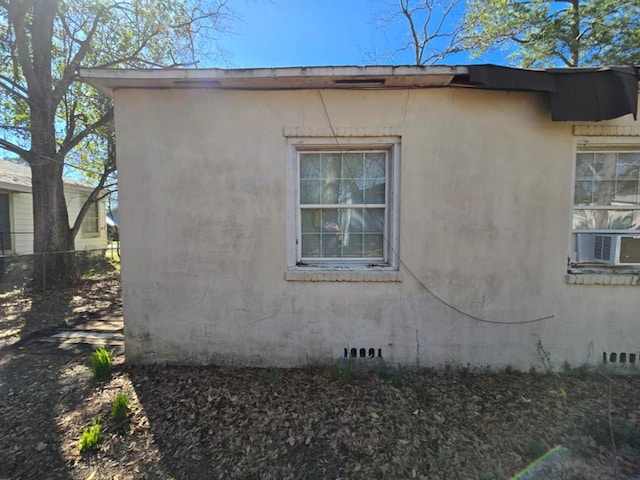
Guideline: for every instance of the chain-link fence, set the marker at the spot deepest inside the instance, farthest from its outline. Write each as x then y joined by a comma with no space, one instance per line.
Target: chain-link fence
44,271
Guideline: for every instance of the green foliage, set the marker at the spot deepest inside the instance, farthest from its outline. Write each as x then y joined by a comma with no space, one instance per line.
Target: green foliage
543,33
90,437
120,407
342,371
45,114
101,363
395,377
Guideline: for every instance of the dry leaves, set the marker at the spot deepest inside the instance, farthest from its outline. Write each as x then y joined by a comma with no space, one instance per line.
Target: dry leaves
192,423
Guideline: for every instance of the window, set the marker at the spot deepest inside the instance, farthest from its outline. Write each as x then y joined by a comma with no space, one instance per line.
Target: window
5,224
91,221
606,211
345,206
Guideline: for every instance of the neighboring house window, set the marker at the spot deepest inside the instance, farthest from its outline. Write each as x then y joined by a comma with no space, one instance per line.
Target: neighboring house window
345,201
5,224
91,221
606,212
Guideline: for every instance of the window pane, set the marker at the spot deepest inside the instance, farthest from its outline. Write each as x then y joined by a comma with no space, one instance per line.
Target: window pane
605,165
342,233
374,165
628,166
626,192
374,191
310,166
374,220
90,222
603,191
349,178
351,193
310,245
606,219
583,192
584,165
310,191
354,246
5,223
353,165
373,245
311,221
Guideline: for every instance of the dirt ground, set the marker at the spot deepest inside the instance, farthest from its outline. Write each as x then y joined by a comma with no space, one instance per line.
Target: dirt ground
221,423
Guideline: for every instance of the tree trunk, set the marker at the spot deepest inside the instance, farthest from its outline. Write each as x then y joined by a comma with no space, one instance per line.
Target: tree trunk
54,264
574,47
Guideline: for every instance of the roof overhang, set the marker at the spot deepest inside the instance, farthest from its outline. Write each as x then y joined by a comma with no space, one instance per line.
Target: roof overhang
109,80
576,94
14,187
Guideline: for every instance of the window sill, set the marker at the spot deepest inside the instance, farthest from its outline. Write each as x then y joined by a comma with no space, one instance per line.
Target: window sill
628,279
301,274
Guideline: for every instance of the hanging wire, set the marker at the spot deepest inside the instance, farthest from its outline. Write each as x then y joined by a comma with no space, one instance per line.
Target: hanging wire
420,282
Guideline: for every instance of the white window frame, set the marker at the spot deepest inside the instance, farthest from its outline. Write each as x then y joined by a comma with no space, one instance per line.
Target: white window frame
610,145
297,145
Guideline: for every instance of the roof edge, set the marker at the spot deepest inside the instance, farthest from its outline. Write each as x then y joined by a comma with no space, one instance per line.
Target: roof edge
109,80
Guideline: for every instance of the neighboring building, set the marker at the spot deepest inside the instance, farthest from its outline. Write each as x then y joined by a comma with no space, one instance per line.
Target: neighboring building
424,215
16,212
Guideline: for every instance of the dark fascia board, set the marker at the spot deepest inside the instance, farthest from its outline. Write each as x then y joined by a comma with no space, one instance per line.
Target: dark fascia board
576,94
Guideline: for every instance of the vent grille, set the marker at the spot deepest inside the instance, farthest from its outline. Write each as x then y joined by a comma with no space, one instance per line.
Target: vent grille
362,352
619,357
602,247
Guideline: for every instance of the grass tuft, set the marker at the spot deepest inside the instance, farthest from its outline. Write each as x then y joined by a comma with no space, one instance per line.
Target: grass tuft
101,363
342,371
90,437
120,407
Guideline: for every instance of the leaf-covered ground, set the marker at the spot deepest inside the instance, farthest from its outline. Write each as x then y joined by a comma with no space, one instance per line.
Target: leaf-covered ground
221,423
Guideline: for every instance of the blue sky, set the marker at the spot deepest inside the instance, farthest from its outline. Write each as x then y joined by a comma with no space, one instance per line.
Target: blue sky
279,33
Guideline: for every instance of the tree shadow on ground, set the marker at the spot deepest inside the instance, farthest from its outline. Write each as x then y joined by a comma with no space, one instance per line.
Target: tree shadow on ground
40,384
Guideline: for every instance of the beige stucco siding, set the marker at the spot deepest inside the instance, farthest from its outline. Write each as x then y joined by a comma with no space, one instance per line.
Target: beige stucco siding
485,210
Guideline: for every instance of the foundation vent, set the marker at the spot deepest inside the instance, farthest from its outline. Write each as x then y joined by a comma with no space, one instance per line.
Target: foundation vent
619,357
362,352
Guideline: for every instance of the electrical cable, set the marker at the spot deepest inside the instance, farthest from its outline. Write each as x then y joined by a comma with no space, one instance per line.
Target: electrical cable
420,282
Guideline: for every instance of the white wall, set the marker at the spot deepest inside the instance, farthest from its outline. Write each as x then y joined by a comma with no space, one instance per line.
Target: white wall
21,206
485,219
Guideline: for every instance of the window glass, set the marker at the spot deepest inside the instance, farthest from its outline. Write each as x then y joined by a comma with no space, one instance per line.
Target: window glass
91,221
607,191
343,197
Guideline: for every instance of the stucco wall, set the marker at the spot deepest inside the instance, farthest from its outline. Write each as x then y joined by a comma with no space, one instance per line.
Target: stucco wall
486,181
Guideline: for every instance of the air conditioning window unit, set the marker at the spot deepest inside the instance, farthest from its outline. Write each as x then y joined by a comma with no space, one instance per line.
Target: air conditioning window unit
616,248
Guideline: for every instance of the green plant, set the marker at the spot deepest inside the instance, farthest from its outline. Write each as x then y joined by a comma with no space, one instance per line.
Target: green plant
342,370
90,436
101,363
395,377
559,393
120,407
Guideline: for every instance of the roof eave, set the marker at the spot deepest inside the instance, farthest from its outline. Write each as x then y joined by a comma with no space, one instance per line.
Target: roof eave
109,80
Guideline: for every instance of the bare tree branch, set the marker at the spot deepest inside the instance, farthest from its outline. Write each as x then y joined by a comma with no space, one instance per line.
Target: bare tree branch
24,154
69,145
